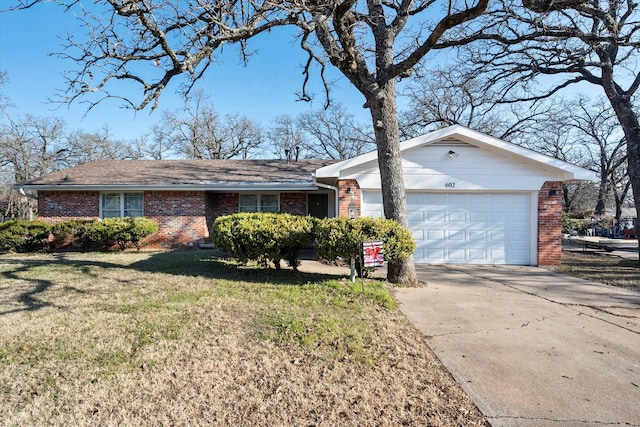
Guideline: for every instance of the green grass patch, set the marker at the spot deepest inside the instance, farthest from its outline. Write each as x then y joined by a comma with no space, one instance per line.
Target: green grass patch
135,301
327,316
339,340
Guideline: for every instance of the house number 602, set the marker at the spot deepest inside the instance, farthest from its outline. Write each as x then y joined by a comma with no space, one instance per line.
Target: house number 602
449,185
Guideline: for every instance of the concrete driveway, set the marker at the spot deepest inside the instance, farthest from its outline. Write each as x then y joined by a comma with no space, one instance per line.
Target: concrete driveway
531,347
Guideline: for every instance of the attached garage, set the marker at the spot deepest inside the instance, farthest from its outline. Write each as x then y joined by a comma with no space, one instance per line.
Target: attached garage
471,198
465,228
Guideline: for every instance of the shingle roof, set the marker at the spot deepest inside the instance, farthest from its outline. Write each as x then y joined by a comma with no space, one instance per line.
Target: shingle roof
180,173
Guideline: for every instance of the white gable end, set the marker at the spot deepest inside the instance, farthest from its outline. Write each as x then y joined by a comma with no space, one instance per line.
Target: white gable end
468,167
478,162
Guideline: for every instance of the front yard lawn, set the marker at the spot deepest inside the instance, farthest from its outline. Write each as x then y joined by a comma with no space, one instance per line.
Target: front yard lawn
601,267
183,338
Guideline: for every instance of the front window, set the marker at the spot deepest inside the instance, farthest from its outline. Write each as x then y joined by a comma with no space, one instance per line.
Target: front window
116,205
259,203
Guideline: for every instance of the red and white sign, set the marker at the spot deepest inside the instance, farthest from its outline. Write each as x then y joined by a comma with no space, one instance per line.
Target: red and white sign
373,254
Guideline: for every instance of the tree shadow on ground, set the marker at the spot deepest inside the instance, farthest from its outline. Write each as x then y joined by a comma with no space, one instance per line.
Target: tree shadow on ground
210,264
213,264
29,299
602,267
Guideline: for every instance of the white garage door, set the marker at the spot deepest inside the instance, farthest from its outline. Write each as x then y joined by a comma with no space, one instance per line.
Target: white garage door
465,228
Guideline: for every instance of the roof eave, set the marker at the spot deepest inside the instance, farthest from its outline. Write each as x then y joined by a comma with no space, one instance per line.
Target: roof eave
266,186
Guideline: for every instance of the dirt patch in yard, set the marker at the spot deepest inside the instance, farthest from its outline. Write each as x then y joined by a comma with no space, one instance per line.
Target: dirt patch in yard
182,338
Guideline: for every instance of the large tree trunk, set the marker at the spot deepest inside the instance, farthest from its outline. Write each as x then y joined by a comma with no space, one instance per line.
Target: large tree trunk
601,203
629,122
383,108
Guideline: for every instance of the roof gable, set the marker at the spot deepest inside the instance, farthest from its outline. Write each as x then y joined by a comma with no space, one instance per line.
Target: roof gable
461,134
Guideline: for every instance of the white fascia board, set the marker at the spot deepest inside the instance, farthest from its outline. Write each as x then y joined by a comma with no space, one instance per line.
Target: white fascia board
177,187
333,171
464,134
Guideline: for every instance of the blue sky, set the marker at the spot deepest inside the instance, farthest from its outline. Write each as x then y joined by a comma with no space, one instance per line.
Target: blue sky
264,89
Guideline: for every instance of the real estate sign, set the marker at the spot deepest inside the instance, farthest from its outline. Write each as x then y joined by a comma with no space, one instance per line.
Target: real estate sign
373,254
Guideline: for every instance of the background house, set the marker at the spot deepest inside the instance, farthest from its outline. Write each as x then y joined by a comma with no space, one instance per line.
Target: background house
471,198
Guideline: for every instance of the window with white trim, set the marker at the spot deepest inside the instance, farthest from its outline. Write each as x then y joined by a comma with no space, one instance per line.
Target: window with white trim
117,205
259,203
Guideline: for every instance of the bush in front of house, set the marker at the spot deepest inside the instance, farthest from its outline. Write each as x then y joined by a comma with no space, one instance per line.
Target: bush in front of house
122,231
70,232
263,237
343,238
21,235
570,225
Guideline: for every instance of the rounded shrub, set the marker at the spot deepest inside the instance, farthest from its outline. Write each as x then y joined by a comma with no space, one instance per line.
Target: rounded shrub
263,237
21,235
343,238
122,231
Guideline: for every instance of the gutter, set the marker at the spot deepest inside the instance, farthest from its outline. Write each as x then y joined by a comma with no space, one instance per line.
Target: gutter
271,186
335,190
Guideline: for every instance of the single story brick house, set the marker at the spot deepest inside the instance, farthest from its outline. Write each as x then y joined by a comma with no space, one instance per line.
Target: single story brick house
472,198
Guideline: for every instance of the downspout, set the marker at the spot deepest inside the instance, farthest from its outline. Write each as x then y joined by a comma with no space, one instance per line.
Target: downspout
336,213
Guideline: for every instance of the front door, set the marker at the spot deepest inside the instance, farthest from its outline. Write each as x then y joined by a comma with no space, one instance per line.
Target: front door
318,205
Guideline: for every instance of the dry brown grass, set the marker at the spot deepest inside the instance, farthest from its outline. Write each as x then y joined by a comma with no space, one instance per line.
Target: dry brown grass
180,338
602,267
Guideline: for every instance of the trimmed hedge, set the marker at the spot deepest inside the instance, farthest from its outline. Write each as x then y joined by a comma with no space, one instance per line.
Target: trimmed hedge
271,237
343,238
263,237
30,236
122,231
20,235
70,232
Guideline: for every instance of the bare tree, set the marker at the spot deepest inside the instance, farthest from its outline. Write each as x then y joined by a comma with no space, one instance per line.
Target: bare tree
334,133
85,147
448,96
198,132
442,97
5,102
159,143
244,134
372,43
596,126
286,138
620,186
29,147
534,49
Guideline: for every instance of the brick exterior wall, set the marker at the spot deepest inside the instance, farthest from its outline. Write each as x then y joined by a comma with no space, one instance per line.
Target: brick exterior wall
550,223
220,204
180,216
345,200
58,206
185,217
293,203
